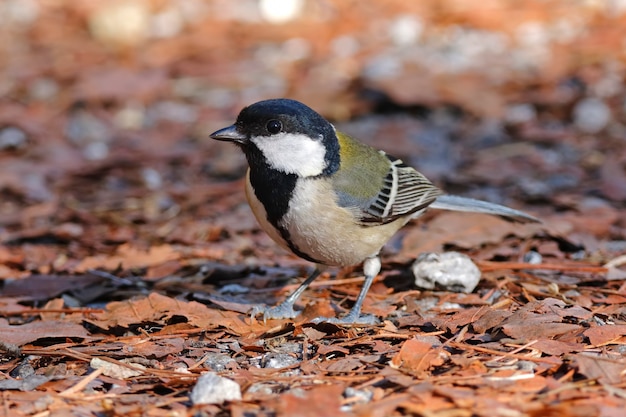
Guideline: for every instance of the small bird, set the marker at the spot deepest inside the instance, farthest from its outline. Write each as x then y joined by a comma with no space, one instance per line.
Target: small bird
327,197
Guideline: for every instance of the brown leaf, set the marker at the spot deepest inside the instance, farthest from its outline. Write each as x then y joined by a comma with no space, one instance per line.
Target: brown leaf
600,335
417,356
30,332
610,371
156,348
158,308
129,257
541,319
320,401
530,385
537,327
230,305
43,287
459,319
313,334
557,347
489,320
344,365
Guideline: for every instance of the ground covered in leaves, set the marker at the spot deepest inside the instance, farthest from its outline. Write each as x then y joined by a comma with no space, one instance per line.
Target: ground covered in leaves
129,259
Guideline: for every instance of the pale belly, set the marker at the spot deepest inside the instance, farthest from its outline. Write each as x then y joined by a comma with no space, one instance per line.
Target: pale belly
323,231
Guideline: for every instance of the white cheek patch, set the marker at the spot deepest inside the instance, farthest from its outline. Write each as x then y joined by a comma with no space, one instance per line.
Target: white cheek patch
293,153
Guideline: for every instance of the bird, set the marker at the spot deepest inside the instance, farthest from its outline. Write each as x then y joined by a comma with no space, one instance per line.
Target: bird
329,198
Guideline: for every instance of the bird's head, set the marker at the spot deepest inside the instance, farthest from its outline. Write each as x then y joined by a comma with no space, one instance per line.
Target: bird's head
286,136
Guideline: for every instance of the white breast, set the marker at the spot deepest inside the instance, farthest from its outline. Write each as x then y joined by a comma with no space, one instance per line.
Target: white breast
321,229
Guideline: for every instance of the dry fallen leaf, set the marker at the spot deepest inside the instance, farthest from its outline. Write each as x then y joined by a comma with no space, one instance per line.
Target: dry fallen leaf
610,371
417,356
20,335
323,400
130,257
157,308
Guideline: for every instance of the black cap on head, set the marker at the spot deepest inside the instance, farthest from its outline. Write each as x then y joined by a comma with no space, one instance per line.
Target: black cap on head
293,116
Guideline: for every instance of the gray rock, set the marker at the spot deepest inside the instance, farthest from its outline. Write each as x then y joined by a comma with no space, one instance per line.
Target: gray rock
591,115
278,360
214,389
451,271
12,138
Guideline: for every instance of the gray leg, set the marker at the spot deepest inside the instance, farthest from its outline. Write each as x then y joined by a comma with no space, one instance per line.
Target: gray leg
285,309
371,268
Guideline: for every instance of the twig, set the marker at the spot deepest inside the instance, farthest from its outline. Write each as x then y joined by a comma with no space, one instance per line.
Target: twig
82,383
615,262
33,311
499,353
494,266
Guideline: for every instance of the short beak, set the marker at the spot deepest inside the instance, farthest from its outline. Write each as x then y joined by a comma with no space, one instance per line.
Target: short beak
229,134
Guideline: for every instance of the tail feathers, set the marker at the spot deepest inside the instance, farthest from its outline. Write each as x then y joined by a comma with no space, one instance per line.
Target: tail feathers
457,203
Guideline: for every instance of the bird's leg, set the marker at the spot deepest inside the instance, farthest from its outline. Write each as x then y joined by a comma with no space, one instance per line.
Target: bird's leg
371,268
285,309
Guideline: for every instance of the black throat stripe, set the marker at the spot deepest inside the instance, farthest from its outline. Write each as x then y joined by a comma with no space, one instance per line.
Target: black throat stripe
274,189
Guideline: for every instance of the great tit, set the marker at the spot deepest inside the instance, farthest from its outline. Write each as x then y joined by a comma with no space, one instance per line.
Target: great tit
327,197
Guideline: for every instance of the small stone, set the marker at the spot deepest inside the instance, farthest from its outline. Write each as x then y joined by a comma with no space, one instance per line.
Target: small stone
262,388
451,271
591,115
533,257
12,138
214,389
278,360
120,23
382,67
280,11
217,361
132,116
116,371
520,113
152,178
405,30
96,151
84,128
43,89
358,396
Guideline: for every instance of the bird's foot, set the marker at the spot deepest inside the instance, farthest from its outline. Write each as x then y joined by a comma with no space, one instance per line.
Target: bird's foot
281,311
349,318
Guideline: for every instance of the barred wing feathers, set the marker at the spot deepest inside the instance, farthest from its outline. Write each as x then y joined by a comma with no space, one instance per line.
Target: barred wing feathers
404,191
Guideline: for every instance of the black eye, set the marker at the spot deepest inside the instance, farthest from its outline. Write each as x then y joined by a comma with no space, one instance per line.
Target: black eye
274,126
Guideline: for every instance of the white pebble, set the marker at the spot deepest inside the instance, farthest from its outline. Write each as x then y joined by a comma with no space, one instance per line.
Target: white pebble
152,178
12,138
520,113
120,23
451,271
214,389
591,115
280,11
405,30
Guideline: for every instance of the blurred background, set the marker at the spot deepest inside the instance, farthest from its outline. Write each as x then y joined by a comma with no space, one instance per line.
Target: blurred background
106,107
